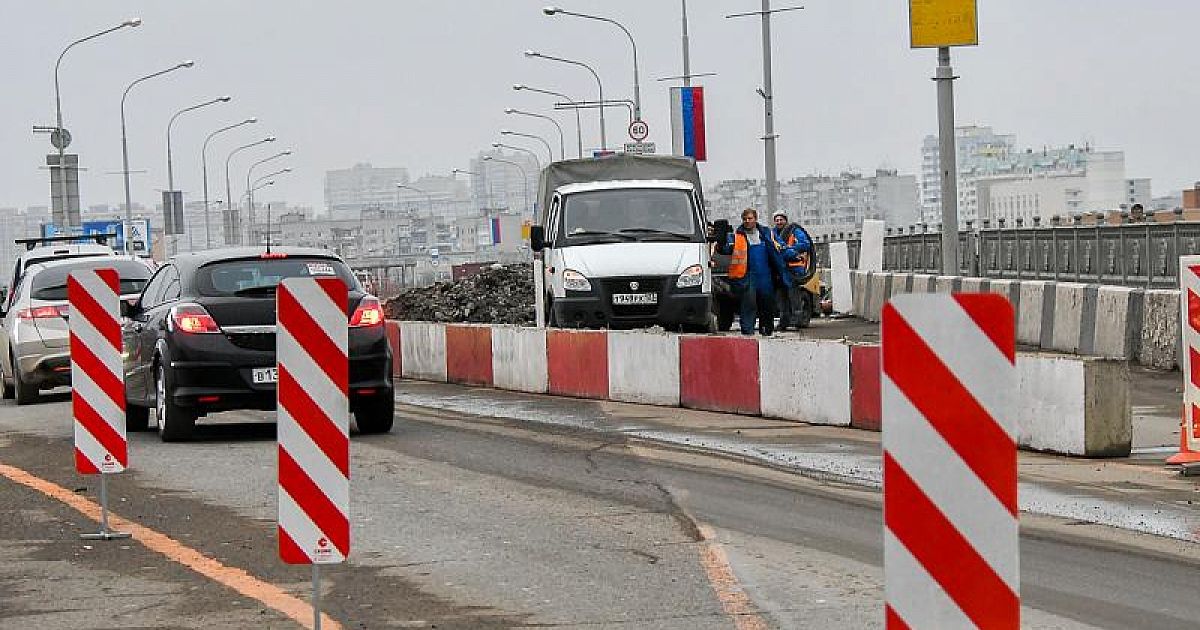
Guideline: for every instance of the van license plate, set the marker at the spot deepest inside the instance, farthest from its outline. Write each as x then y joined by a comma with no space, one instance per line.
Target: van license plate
264,375
635,298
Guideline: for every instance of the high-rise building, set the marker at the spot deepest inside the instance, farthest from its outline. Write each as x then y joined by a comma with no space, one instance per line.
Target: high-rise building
499,185
350,192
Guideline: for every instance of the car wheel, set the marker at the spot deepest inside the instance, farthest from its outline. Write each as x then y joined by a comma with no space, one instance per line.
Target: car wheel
136,418
802,314
175,423
375,414
25,393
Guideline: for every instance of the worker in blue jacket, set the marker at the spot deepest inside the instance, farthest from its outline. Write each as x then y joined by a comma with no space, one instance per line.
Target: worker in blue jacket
756,269
796,248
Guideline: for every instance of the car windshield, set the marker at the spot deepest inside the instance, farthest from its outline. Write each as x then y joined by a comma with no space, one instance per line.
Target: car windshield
51,283
645,214
259,276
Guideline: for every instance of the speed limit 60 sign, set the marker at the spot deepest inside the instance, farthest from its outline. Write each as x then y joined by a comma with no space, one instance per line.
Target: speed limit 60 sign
639,130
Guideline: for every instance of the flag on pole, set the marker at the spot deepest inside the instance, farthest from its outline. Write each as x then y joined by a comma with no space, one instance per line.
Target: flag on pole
687,122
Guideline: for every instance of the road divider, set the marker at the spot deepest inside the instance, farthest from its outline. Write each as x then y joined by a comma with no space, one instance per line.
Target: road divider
1067,404
950,548
97,381
1189,286
468,354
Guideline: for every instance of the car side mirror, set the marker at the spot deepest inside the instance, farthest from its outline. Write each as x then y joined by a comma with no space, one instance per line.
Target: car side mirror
537,238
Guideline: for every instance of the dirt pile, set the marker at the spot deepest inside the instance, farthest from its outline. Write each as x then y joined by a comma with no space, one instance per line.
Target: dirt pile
500,294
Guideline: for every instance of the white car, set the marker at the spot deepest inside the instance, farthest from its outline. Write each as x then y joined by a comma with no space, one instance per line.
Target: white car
39,250
35,346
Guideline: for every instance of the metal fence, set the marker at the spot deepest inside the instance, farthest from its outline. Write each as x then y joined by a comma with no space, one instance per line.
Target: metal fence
1132,254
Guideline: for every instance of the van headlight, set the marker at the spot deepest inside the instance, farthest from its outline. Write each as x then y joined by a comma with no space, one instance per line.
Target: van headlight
575,281
691,277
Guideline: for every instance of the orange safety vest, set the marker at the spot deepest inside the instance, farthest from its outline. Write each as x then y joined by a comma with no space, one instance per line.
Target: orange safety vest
740,261
801,258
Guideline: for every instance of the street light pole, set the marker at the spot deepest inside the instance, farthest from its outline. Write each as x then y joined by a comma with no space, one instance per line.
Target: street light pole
204,167
62,138
524,177
536,160
474,174
578,124
562,150
599,86
948,162
231,229
125,148
170,162
249,171
250,190
637,89
768,95
549,151
428,197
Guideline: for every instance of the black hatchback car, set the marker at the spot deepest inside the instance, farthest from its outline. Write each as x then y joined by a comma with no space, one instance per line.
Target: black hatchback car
201,339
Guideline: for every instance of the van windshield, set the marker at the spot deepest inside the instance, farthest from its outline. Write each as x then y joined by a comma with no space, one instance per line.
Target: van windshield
642,214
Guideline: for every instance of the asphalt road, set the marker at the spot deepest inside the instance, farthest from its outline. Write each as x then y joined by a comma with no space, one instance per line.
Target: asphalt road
469,522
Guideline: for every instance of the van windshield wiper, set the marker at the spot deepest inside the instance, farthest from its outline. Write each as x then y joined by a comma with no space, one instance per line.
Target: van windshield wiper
655,232
585,233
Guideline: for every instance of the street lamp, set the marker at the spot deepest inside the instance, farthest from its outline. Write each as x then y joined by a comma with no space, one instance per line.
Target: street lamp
536,160
603,134
230,228
524,177
474,174
428,197
250,194
562,151
125,142
578,127
63,140
204,167
637,89
170,163
249,171
506,132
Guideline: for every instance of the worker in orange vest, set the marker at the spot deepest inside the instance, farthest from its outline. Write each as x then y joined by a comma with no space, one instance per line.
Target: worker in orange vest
796,248
756,269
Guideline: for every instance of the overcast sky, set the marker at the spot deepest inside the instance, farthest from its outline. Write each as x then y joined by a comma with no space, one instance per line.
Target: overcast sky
423,84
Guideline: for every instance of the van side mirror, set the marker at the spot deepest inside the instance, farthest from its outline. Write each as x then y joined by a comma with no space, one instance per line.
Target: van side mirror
129,309
720,231
537,238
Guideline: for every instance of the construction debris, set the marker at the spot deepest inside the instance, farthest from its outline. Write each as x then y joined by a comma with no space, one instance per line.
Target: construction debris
500,294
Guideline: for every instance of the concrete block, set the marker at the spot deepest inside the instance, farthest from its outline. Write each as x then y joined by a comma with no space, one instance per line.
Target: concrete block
1074,314
1158,346
719,374
1036,300
1118,322
870,246
469,354
860,282
866,396
839,272
643,368
1010,289
974,285
805,380
1074,406
519,359
423,350
878,292
923,283
947,284
900,283
577,363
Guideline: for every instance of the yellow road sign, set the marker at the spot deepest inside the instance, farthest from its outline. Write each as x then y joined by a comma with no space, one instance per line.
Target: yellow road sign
938,23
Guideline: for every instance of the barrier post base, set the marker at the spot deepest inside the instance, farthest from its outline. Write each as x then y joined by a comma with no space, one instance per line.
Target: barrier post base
104,533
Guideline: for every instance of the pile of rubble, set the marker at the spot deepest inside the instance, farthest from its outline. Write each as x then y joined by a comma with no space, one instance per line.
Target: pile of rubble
500,294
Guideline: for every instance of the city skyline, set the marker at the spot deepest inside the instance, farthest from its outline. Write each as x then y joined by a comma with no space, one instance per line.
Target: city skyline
311,65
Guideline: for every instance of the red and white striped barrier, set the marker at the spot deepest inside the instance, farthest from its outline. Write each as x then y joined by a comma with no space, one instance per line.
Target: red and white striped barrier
950,462
97,374
313,421
1189,303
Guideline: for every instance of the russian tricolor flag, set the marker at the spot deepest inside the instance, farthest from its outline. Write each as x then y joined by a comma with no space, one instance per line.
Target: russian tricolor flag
687,122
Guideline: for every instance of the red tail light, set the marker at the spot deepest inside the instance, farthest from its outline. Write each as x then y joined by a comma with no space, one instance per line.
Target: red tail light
368,313
44,312
193,319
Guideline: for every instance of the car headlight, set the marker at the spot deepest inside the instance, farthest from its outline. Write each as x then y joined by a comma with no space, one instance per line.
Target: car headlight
575,281
691,277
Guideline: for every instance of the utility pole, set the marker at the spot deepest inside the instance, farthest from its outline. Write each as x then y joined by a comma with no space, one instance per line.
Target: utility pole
687,51
948,162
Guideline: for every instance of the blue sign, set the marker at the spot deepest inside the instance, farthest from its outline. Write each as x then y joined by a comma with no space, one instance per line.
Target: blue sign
141,233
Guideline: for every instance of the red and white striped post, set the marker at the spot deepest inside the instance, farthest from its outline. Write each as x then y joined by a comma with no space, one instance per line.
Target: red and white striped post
97,381
313,425
1189,303
950,462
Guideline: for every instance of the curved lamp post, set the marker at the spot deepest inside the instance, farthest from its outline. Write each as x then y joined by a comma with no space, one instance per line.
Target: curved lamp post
518,134
637,90
578,127
536,159
249,171
230,228
562,151
204,174
524,178
428,197
170,162
62,140
125,141
533,54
